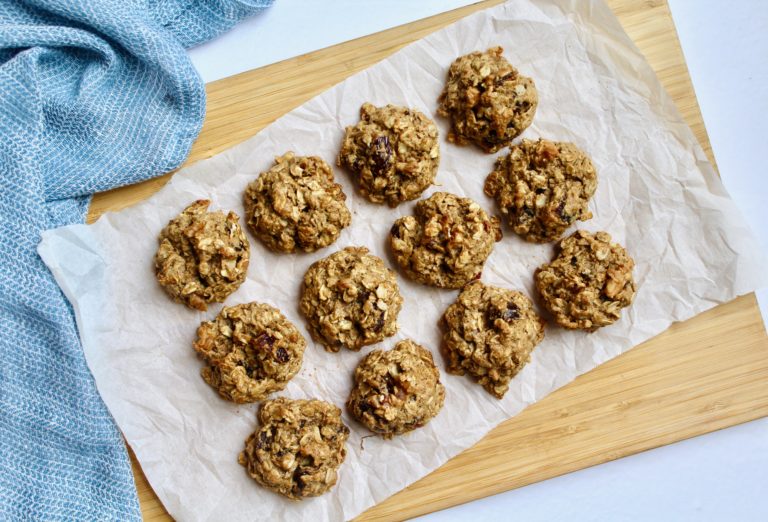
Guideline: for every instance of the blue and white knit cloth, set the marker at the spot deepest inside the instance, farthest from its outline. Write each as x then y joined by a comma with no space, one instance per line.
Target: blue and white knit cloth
94,94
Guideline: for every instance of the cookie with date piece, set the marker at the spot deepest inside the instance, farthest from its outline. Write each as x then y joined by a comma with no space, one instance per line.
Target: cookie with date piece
250,350
489,334
487,100
393,152
298,448
588,283
542,187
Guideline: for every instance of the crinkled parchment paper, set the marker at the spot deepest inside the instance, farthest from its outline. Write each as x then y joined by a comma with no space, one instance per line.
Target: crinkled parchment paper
657,195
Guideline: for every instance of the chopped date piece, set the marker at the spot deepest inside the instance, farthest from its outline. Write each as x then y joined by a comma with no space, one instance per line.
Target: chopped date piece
381,154
264,341
281,355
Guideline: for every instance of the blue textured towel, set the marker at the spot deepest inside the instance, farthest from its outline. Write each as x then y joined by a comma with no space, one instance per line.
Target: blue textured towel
93,94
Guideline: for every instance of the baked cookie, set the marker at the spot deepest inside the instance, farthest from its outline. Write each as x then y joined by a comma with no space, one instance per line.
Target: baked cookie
489,333
298,448
542,187
588,283
350,299
295,205
251,350
203,256
488,101
446,242
393,151
396,391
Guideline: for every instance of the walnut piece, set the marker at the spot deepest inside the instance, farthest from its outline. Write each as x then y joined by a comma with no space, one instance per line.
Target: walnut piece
488,101
203,256
396,391
296,206
298,448
588,283
489,334
250,351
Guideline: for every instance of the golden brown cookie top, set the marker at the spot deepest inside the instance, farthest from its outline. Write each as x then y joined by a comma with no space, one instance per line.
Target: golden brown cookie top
489,333
396,391
446,242
350,299
393,152
298,447
295,205
250,351
488,101
203,256
543,187
588,283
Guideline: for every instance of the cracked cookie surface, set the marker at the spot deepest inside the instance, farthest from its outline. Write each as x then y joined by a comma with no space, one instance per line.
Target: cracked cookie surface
295,205
542,188
488,101
489,333
393,152
446,242
298,448
396,391
588,283
250,351
350,299
203,256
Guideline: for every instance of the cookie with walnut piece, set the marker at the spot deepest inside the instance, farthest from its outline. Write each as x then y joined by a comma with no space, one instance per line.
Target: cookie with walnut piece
588,283
203,256
350,299
488,101
489,333
446,242
295,205
542,187
250,351
393,151
396,391
298,448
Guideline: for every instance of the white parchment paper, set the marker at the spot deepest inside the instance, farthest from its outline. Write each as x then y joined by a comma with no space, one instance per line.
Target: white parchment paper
657,195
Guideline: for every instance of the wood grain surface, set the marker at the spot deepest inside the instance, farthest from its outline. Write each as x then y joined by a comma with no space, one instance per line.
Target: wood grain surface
701,375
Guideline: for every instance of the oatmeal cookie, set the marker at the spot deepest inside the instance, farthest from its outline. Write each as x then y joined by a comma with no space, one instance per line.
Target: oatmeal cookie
393,151
490,333
542,187
203,256
350,299
251,350
488,101
298,448
396,391
296,206
588,283
446,242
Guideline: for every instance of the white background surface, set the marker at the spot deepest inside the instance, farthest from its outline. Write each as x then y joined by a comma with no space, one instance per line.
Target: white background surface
720,476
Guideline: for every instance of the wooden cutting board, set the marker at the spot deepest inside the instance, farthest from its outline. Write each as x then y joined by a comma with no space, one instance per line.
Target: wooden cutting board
707,373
